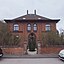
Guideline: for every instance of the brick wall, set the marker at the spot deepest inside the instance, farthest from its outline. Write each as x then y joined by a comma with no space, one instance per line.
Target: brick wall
49,50
20,51
13,51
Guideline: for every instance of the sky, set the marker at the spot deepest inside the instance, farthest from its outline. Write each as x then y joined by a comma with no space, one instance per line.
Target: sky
53,9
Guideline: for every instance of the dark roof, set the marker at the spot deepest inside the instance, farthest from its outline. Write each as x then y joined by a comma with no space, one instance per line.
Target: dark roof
31,17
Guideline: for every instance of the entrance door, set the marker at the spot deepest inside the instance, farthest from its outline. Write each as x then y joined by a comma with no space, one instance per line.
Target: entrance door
32,42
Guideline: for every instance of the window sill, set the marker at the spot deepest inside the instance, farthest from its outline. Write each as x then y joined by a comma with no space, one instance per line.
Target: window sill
35,30
17,31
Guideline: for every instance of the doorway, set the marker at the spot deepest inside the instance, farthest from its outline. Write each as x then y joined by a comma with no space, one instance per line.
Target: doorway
32,46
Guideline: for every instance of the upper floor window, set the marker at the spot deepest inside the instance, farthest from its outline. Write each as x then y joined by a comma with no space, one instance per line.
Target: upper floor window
35,27
16,27
29,27
47,27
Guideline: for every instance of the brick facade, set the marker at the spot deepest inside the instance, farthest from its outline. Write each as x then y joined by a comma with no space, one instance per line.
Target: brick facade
23,21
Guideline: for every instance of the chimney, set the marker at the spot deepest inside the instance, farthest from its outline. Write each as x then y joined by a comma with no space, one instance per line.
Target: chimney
27,11
35,12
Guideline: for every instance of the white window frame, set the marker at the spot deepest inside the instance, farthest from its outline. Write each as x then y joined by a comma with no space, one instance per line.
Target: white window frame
35,27
47,27
29,27
16,27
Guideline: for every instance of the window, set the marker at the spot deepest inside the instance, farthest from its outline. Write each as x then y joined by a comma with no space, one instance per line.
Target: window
35,27
39,18
29,27
47,27
16,27
24,18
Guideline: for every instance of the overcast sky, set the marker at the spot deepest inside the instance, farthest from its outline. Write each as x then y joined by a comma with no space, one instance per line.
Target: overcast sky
47,8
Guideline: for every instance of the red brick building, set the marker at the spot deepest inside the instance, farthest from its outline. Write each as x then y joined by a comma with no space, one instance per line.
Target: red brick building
31,26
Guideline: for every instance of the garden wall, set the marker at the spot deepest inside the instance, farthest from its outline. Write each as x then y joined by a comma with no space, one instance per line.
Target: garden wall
20,51
13,51
48,50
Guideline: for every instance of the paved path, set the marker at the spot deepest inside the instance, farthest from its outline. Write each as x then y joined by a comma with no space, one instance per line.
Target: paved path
33,56
31,61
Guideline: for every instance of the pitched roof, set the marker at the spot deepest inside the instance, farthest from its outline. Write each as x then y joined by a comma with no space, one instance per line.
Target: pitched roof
31,17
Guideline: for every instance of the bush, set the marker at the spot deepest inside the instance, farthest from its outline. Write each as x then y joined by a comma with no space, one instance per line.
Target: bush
51,39
7,39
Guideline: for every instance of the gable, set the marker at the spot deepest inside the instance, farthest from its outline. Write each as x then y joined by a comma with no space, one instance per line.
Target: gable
31,17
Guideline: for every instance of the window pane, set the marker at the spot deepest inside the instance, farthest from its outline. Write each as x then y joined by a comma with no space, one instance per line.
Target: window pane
34,24
29,27
48,27
15,24
35,27
16,27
